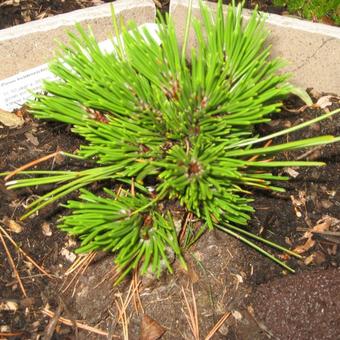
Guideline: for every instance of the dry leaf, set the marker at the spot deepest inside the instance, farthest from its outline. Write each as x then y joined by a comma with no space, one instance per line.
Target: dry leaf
151,329
304,247
308,260
324,102
296,205
322,226
10,119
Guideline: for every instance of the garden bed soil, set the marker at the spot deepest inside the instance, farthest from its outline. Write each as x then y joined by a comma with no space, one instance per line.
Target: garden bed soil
228,278
15,12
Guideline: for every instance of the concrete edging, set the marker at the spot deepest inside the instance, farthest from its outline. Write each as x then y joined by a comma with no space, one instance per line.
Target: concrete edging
312,49
31,44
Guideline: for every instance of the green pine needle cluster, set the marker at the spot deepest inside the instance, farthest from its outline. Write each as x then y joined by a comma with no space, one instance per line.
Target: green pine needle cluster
181,119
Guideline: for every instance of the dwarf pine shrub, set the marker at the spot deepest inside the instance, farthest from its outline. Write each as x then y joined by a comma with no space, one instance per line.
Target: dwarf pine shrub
173,128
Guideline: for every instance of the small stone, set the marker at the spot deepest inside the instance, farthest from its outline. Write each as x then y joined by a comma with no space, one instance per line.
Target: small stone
291,172
32,139
71,257
5,329
326,204
237,315
46,229
10,119
13,226
9,306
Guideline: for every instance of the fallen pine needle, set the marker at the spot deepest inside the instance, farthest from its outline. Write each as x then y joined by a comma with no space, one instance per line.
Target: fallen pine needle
80,325
30,164
122,306
136,296
217,326
254,158
81,268
184,228
122,316
42,270
10,259
6,334
192,318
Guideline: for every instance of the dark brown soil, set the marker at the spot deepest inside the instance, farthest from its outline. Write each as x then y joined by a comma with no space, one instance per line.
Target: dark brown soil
303,306
14,12
226,274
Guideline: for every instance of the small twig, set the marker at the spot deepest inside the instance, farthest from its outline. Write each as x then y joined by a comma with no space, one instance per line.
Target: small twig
184,228
217,326
13,265
74,324
30,164
41,269
51,326
68,322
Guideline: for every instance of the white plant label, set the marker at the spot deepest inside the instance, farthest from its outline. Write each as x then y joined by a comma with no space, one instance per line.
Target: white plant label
17,90
14,91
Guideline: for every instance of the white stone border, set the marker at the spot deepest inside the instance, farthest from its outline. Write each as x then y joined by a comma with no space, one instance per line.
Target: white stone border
312,50
275,19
